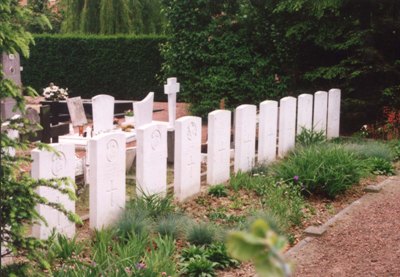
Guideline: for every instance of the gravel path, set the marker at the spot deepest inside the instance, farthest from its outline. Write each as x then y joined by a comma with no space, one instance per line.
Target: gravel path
364,242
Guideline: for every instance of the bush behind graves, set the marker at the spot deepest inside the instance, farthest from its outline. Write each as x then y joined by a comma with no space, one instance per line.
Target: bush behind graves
123,66
322,169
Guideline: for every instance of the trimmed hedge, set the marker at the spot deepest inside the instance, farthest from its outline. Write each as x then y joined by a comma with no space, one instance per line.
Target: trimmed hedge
124,66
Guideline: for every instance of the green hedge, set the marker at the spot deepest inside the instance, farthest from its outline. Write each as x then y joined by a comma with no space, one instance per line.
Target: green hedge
123,66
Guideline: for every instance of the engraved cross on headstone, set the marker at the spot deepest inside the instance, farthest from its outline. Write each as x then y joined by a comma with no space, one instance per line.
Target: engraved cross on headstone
171,89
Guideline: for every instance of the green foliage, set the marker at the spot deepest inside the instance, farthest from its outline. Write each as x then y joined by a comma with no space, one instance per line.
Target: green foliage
113,17
18,191
241,180
213,48
322,169
308,137
371,149
170,225
218,191
217,254
247,51
192,251
123,66
43,18
199,266
263,247
63,248
201,233
395,146
284,201
380,166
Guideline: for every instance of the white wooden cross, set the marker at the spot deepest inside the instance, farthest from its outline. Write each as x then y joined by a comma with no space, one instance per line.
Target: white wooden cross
171,89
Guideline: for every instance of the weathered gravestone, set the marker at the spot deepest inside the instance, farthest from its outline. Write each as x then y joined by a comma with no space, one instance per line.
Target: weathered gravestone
49,165
106,159
171,89
103,113
76,111
187,157
320,111
151,159
12,70
143,110
304,112
333,113
268,125
245,137
287,125
218,147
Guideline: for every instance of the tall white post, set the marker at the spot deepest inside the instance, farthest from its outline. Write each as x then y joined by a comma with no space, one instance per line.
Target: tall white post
320,111
304,112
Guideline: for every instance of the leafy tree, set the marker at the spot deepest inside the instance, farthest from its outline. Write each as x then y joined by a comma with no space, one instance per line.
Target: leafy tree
113,17
18,190
250,50
90,22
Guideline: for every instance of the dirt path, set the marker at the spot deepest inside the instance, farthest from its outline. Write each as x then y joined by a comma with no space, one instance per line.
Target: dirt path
364,242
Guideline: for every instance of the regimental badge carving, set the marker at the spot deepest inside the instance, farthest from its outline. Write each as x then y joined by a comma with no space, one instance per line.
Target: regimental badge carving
191,131
58,163
155,139
112,150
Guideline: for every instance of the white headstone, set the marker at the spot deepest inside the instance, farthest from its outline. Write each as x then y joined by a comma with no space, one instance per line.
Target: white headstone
151,159
268,125
245,137
287,125
103,113
333,113
171,89
304,112
106,158
50,165
76,111
218,147
320,111
143,110
187,165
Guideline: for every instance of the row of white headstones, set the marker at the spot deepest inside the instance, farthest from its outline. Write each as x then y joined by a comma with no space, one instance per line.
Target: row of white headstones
277,129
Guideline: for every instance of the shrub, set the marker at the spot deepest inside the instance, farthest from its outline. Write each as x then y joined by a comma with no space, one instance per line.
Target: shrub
134,220
218,191
170,225
217,254
201,234
380,166
198,266
371,149
124,66
284,200
327,169
308,137
240,181
192,251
